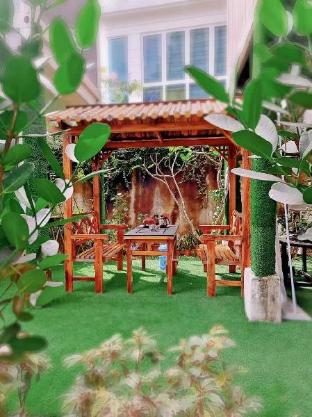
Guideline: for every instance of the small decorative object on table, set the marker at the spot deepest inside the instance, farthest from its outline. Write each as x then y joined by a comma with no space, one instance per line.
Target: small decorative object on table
163,221
148,221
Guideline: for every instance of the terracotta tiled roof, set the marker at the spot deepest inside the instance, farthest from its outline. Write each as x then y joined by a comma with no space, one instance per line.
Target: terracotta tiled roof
137,112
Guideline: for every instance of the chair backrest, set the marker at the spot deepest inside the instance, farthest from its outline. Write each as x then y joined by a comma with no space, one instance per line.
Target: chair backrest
87,225
236,223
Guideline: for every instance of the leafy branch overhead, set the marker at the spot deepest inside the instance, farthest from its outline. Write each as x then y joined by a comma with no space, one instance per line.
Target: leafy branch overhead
26,202
272,120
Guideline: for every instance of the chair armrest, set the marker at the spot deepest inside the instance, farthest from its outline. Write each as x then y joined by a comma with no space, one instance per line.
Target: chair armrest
206,238
205,228
113,226
89,236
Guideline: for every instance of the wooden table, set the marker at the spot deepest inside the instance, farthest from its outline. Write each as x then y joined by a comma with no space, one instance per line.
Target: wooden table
140,242
294,242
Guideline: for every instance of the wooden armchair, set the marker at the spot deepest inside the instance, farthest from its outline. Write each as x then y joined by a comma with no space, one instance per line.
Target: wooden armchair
89,245
228,252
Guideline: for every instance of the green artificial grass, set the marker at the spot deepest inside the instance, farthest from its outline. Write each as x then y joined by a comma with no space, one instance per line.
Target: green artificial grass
276,356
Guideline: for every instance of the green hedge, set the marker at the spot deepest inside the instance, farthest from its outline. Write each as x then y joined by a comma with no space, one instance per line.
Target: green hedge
263,224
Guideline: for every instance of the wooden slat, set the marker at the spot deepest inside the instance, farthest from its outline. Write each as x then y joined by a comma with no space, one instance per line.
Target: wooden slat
208,227
228,283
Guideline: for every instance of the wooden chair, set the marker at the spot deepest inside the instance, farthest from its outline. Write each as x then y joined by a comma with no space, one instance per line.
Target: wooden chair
89,245
212,252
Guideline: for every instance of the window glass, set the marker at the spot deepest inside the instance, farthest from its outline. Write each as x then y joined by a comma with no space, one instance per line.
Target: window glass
199,39
220,50
152,94
118,58
175,92
175,55
152,58
197,92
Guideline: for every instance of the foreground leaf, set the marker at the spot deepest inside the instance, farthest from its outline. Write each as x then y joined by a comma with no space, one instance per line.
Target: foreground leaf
274,17
20,79
15,229
17,154
302,13
52,261
6,15
50,157
48,191
208,83
17,177
69,75
92,141
87,23
61,40
253,143
31,281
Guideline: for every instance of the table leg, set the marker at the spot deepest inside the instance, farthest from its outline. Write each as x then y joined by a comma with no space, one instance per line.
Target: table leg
170,251
143,257
129,267
211,269
304,259
175,257
284,255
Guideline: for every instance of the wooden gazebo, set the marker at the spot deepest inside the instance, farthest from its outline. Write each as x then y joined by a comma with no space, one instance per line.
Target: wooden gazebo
151,125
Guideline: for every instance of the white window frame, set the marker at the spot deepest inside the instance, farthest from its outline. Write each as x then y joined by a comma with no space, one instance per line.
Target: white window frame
187,81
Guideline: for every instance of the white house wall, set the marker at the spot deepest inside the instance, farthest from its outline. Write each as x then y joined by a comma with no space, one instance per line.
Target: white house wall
180,15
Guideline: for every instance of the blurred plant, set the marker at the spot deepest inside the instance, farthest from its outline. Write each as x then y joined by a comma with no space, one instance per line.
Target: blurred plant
26,201
124,378
119,91
19,376
120,209
31,366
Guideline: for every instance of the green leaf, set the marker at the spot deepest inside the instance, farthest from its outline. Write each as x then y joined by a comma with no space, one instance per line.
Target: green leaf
5,53
9,333
302,14
87,23
52,261
65,221
50,157
25,316
91,175
252,103
262,52
31,281
61,40
15,229
91,141
6,120
68,76
17,154
274,17
17,177
48,191
28,344
208,83
289,53
20,80
307,195
302,98
287,134
6,15
32,48
253,143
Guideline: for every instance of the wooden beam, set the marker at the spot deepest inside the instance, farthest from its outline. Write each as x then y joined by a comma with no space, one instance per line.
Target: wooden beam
96,194
68,212
177,125
232,184
153,143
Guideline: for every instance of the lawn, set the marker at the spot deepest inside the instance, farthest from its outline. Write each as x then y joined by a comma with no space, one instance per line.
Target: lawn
276,356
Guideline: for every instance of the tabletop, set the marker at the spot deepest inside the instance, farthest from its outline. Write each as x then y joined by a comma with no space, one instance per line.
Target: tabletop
169,231
295,242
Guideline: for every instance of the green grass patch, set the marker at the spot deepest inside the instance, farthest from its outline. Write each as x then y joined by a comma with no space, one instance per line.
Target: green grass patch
276,356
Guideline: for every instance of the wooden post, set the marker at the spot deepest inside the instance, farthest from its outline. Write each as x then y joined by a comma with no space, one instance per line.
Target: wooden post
96,194
245,191
144,248
232,195
170,254
98,265
120,240
68,212
211,268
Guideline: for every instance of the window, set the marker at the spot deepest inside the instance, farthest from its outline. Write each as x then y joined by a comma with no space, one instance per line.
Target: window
118,58
220,50
166,54
152,58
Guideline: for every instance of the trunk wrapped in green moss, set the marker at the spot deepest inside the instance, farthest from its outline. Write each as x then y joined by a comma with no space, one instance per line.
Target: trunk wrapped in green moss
263,226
